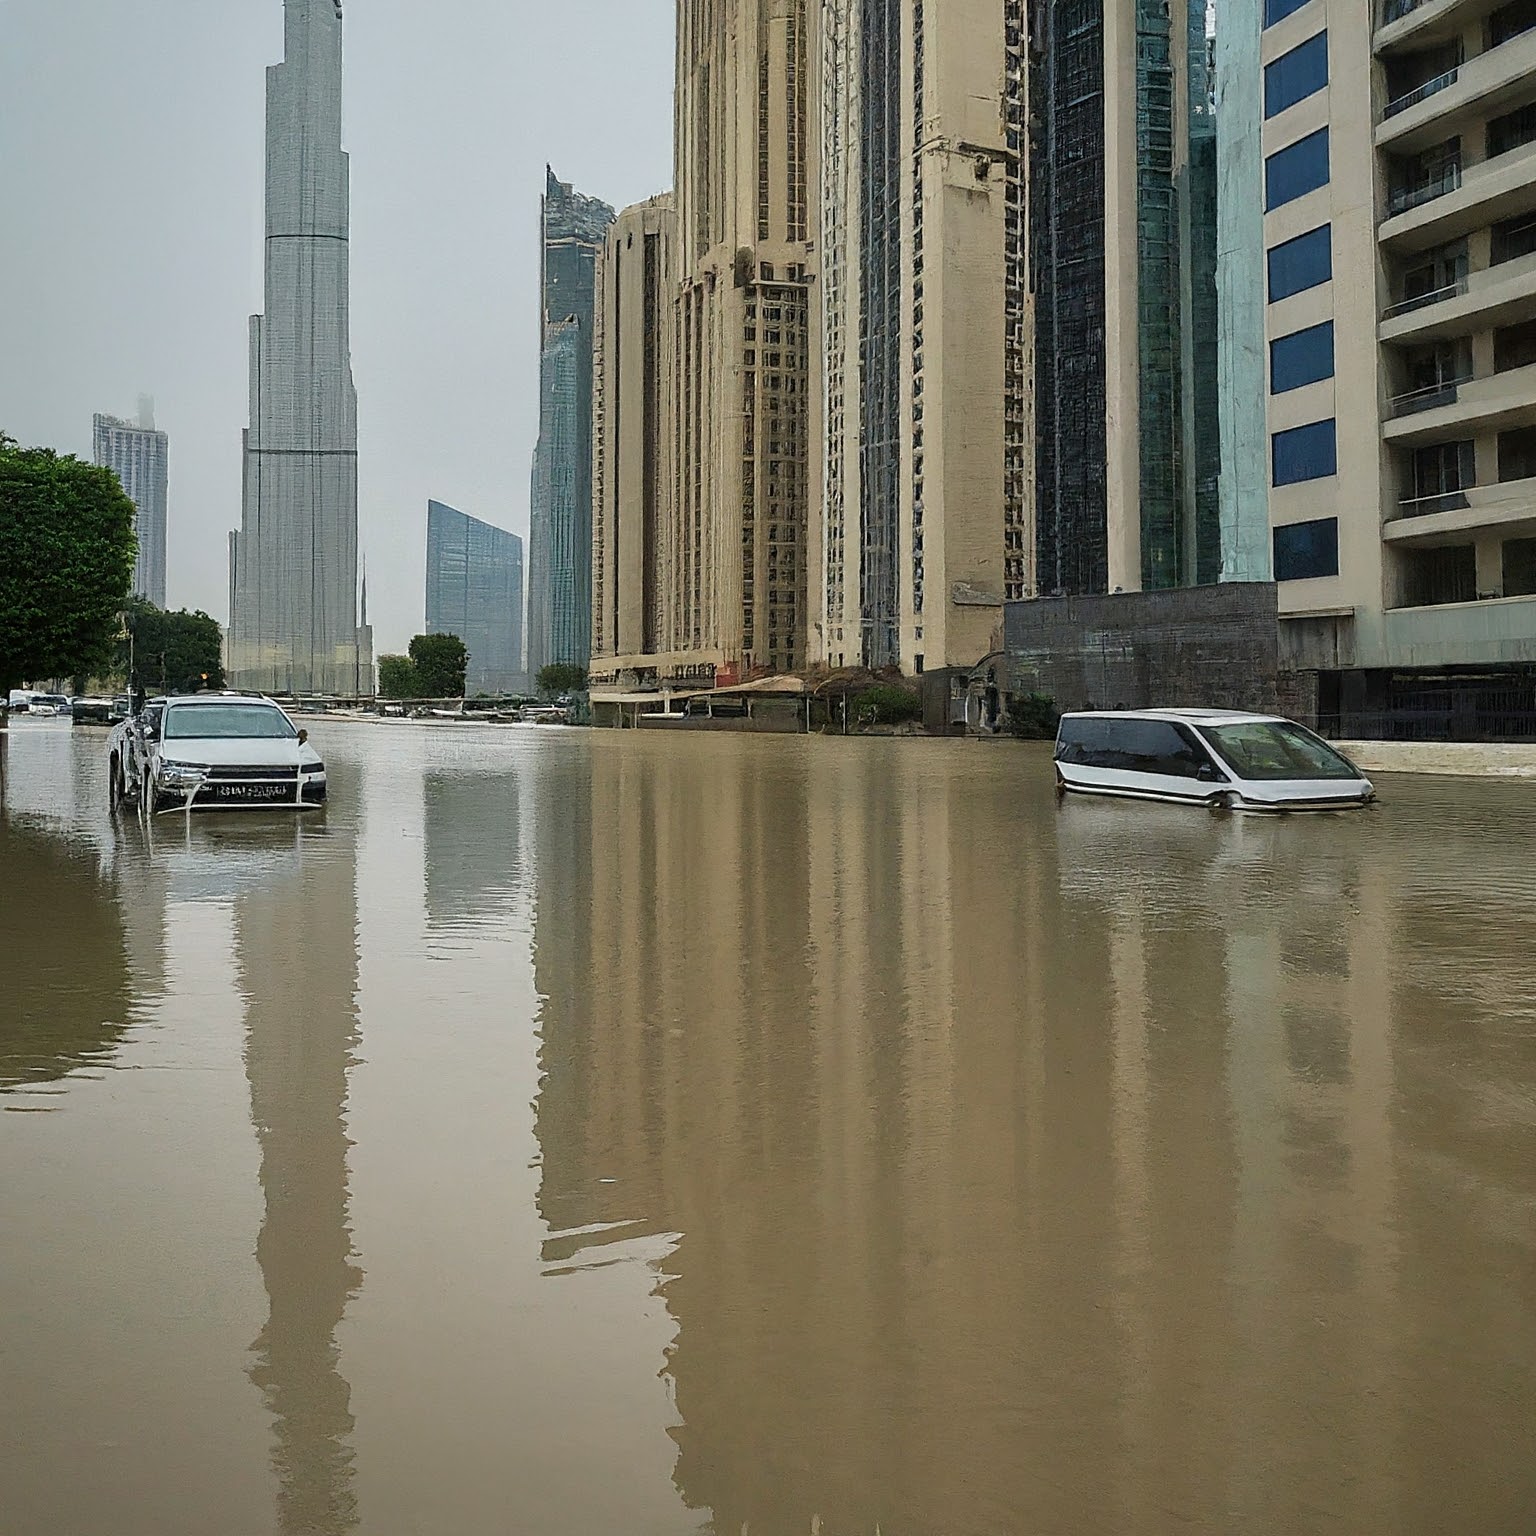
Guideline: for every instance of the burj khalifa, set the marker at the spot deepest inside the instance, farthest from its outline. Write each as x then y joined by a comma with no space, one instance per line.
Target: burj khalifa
293,566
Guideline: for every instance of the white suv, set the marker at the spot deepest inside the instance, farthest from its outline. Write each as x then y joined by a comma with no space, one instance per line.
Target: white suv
218,751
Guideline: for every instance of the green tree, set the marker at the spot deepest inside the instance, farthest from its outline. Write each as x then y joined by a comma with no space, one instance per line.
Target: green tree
562,677
441,662
888,704
397,678
1033,716
179,652
67,548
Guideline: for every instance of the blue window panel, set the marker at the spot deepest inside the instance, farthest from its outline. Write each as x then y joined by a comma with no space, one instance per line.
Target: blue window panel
1301,263
1303,357
1278,10
1296,75
1297,169
1307,550
1305,453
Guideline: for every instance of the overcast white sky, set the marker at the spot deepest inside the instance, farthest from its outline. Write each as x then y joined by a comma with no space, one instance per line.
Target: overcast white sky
131,139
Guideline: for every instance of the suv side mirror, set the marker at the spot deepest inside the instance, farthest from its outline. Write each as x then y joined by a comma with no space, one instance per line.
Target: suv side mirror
1208,774
303,736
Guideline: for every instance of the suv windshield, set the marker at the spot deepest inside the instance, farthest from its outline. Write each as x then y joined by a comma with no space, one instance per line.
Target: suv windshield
259,722
1274,749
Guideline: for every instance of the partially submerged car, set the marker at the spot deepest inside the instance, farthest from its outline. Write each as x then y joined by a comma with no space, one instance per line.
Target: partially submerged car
216,751
1218,758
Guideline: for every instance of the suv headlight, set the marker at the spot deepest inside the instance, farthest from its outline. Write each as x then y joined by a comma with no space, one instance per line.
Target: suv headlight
181,775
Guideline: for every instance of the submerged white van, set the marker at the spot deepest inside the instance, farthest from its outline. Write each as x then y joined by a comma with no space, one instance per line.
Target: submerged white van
1217,758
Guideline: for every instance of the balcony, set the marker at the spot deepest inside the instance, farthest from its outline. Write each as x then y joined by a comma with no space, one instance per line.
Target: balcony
1456,201
1415,24
1500,296
1463,408
1423,301
1441,182
1423,92
1508,507
1481,87
1415,402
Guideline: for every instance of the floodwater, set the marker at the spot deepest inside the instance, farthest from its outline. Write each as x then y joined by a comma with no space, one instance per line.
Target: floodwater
575,1132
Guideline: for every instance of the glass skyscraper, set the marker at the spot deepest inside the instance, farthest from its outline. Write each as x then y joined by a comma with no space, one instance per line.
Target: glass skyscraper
560,533
1127,414
138,455
293,625
475,591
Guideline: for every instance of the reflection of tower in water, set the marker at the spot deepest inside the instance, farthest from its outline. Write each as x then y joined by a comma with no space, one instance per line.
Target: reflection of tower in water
296,949
1036,1169
780,1020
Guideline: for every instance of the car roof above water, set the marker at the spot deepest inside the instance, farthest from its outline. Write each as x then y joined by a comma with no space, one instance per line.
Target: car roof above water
1180,716
182,699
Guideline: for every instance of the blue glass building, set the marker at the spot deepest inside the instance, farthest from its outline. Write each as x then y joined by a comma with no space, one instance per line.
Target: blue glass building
475,591
560,514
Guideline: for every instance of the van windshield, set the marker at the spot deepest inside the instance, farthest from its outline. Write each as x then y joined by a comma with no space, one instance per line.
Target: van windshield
248,722
1276,749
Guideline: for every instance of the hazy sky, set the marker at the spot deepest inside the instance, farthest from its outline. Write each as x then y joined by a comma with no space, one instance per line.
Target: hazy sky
131,141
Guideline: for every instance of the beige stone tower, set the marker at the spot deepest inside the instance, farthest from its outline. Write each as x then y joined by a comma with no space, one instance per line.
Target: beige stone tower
748,329
925,524
636,544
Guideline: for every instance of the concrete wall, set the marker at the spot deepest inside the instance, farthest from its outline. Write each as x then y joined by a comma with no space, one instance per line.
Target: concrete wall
1240,280
1199,646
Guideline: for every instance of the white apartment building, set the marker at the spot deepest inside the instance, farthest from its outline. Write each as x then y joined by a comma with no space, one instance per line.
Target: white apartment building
1399,145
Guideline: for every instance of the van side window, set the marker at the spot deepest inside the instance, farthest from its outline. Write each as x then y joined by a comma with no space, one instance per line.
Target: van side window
1133,746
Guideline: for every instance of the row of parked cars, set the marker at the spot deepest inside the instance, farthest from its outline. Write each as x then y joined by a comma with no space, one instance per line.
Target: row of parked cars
27,701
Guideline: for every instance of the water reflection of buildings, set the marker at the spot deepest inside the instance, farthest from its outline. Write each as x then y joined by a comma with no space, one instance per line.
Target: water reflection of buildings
65,992
473,849
1036,1169
297,966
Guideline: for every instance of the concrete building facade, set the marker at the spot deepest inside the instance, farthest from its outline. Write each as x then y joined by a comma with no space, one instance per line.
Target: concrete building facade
139,456
573,228
294,624
637,548
925,522
1399,234
475,591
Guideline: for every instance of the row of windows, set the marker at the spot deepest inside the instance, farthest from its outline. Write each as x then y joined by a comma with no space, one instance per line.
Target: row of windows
1302,551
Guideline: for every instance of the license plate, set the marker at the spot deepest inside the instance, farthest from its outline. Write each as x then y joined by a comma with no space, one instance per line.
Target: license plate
253,792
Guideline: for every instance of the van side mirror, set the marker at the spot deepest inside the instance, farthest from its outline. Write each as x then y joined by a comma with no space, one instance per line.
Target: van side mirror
1208,774
303,736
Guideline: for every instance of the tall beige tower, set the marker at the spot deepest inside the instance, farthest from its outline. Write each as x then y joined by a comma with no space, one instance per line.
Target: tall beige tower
925,524
636,538
748,329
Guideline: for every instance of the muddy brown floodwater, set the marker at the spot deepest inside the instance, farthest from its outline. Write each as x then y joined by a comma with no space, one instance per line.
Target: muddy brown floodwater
574,1133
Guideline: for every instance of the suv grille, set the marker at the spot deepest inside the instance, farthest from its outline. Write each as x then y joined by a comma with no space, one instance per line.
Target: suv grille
221,773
